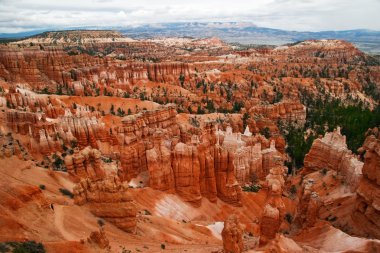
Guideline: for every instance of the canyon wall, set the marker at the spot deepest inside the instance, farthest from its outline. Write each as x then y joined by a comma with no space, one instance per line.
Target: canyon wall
367,214
286,111
42,65
331,152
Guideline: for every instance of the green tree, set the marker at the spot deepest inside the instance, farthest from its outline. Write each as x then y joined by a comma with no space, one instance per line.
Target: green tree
245,119
266,132
181,79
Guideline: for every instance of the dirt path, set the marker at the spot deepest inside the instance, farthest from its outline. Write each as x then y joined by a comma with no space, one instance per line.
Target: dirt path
59,223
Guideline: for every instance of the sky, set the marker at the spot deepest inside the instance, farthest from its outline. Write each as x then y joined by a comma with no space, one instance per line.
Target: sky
299,15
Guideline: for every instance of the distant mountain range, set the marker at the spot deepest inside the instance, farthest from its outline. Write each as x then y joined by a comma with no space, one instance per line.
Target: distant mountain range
237,32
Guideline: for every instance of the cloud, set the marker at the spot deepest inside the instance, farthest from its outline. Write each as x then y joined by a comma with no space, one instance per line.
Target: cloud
310,15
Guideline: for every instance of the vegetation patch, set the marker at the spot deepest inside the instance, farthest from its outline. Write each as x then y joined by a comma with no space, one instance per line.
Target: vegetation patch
66,192
252,188
324,114
22,247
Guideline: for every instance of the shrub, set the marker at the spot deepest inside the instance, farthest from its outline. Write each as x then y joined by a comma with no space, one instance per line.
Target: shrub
22,247
252,188
73,143
194,122
66,192
323,171
42,187
58,162
101,222
120,112
163,246
200,110
289,218
266,132
107,159
4,248
293,189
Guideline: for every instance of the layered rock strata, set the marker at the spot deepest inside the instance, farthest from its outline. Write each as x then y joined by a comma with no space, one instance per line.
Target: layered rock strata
85,163
287,111
52,65
232,235
137,130
99,238
108,199
308,206
274,209
161,176
331,152
367,214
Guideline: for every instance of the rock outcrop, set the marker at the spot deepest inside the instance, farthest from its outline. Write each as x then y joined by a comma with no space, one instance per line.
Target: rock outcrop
367,214
85,163
136,131
99,238
10,146
336,51
210,164
287,111
186,170
206,157
232,235
331,152
39,66
161,176
108,199
308,206
227,186
47,136
274,210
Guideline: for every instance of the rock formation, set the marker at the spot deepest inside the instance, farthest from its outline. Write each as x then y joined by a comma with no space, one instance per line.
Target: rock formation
108,199
51,65
137,129
10,147
232,235
227,186
48,136
161,176
206,152
85,163
186,172
274,209
287,111
331,152
308,206
367,214
270,158
99,238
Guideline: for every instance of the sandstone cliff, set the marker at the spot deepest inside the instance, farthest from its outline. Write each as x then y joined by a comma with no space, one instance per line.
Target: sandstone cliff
331,152
367,214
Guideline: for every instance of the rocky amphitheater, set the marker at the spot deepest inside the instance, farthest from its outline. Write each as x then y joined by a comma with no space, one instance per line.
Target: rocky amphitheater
178,145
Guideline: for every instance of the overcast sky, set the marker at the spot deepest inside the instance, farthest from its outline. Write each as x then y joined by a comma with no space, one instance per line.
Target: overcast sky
301,15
